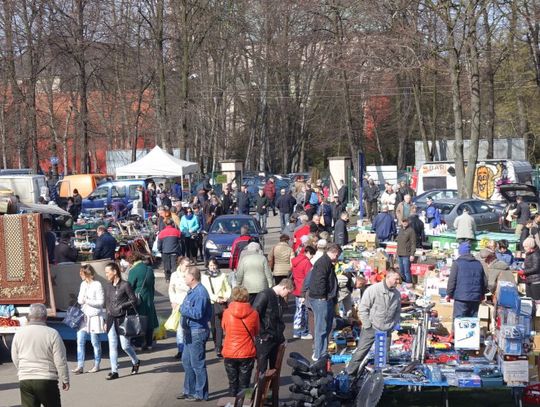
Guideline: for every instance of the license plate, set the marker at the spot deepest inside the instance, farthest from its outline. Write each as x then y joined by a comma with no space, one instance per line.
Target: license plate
226,254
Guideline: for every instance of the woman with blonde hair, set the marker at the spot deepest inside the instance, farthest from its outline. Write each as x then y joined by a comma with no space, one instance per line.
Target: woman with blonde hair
531,268
178,290
91,299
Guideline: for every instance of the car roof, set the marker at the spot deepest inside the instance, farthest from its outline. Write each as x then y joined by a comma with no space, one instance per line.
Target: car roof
235,217
456,201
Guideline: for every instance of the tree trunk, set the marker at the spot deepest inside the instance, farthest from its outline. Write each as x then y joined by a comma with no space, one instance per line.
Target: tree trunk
83,86
421,124
490,85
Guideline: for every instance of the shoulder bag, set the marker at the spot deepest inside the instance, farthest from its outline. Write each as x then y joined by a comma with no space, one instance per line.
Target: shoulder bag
249,333
133,325
219,307
74,317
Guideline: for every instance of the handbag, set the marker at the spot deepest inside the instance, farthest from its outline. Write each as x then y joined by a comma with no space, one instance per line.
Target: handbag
74,317
133,325
173,321
219,307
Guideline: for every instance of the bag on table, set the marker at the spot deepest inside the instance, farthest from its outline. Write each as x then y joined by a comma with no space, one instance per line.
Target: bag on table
173,321
74,317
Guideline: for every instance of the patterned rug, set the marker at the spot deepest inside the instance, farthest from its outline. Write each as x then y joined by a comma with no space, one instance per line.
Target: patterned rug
22,259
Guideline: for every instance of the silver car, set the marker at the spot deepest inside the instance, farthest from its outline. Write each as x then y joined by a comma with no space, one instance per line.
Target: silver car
485,214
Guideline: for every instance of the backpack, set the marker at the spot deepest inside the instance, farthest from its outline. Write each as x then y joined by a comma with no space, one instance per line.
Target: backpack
313,199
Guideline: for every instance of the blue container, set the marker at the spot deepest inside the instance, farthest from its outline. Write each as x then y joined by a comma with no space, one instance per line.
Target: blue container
508,296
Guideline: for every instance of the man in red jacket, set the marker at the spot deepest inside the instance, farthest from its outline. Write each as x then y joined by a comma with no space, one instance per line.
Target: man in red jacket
238,245
301,266
270,192
302,230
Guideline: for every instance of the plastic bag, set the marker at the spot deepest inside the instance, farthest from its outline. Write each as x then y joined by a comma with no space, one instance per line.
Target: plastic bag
160,332
172,322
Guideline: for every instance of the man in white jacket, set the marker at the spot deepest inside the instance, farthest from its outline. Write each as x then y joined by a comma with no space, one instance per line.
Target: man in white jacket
465,226
39,355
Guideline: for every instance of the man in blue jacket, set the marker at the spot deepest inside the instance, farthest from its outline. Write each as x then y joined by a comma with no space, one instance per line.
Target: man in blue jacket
433,214
105,244
384,225
196,311
467,283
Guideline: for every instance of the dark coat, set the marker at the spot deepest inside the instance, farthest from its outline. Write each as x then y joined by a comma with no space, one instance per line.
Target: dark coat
323,282
169,240
523,213
406,242
243,202
141,277
270,308
227,201
261,204
418,226
343,194
336,211
384,226
64,253
119,299
467,281
105,247
371,193
341,235
285,203
531,266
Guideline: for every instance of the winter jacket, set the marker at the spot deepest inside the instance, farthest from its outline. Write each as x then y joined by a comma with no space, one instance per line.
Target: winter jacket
302,231
301,266
523,213
402,214
465,226
285,203
531,266
280,259
228,202
169,240
323,281
341,235
142,280
105,247
498,271
467,281
343,194
189,225
178,288
418,226
238,245
325,212
371,193
119,299
254,273
261,204
242,202
336,211
507,256
217,286
384,227
433,216
389,199
380,307
196,310
270,309
406,242
402,191
64,253
270,190
240,324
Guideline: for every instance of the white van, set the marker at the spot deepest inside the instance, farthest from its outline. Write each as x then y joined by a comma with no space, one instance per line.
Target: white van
27,187
490,174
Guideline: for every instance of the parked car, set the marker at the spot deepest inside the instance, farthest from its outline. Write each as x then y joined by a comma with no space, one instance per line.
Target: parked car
108,192
436,194
484,213
510,193
224,230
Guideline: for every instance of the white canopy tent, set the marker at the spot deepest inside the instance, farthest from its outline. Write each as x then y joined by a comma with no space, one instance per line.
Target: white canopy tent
158,163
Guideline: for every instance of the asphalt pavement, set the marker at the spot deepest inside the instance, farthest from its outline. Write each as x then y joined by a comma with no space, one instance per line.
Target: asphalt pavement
160,377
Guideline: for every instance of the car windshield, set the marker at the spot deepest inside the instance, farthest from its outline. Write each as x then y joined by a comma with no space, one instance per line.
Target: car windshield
232,226
445,208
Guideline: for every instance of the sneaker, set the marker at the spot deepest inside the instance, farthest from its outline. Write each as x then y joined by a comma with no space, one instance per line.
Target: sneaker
95,369
306,336
79,370
313,358
296,336
178,356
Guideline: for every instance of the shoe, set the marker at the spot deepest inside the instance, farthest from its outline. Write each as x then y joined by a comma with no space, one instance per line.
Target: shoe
182,396
178,356
95,369
191,398
79,370
135,368
313,358
296,336
112,376
219,355
306,336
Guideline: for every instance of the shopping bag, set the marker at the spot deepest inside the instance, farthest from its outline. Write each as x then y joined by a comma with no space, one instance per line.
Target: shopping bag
160,332
172,322
74,317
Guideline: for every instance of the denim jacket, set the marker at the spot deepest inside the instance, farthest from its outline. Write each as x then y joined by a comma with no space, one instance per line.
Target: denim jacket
196,310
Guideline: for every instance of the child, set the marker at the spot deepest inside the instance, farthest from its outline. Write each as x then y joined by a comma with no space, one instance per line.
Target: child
503,254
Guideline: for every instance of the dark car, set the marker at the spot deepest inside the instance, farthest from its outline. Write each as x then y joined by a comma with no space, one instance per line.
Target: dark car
436,194
510,192
485,214
224,230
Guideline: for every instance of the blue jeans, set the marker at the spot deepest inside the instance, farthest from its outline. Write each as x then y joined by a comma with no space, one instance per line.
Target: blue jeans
405,268
113,349
180,338
261,218
194,362
81,344
284,220
323,311
300,322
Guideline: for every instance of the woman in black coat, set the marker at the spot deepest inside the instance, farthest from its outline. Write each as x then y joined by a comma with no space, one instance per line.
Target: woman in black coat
119,301
531,268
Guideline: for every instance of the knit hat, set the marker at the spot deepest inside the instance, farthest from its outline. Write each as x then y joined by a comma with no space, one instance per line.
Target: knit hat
464,248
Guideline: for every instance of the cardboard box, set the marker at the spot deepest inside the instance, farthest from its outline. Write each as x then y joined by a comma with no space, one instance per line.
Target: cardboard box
467,333
516,370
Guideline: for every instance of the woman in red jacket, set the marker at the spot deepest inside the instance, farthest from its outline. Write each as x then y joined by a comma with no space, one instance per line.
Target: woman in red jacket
241,325
301,266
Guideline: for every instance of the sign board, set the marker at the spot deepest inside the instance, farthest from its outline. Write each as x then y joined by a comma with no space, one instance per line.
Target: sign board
221,179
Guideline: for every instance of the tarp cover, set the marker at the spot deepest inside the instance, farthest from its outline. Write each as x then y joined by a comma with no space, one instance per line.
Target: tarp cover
158,163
